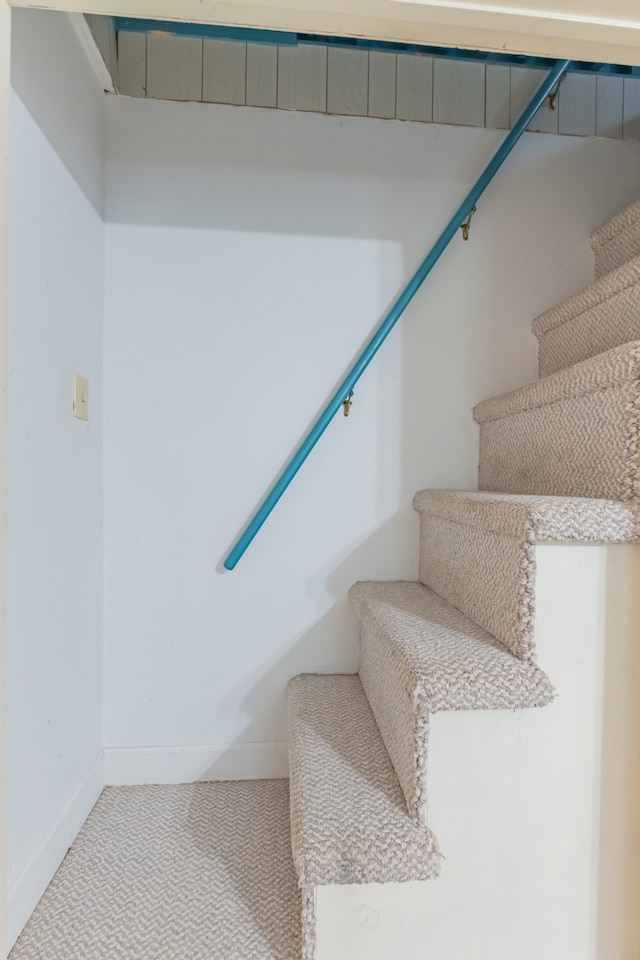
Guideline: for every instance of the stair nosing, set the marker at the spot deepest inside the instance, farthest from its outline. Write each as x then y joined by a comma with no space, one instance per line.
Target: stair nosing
607,287
615,225
417,680
524,398
528,522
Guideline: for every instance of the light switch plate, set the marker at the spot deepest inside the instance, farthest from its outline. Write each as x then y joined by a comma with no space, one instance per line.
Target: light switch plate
81,398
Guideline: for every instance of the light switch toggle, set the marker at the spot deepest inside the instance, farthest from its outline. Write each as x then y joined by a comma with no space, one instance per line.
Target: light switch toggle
81,398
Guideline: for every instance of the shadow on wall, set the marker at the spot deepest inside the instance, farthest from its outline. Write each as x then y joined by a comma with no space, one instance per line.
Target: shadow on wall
48,69
310,652
220,168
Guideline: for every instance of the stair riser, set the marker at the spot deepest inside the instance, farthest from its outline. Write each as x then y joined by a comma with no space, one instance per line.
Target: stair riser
586,446
309,923
349,821
613,322
622,247
404,733
487,575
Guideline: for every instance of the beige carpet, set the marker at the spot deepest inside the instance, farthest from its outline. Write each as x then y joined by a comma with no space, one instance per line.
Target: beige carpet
349,820
593,321
617,241
477,550
573,434
191,872
418,656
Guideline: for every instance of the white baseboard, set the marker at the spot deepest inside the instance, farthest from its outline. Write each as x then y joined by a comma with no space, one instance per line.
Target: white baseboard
35,876
130,766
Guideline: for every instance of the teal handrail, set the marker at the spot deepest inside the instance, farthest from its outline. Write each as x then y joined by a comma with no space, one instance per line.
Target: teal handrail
344,391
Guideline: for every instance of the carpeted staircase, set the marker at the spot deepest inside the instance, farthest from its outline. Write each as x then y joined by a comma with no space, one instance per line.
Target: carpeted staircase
563,454
205,870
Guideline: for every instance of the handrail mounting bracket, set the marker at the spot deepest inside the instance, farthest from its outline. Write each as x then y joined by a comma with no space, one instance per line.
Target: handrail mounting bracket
466,226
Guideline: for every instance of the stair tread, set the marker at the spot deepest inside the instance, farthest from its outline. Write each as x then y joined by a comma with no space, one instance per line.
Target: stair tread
608,286
535,518
349,820
443,659
616,224
614,367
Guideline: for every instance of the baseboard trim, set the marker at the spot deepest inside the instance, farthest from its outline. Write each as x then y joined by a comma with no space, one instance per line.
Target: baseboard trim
36,875
130,766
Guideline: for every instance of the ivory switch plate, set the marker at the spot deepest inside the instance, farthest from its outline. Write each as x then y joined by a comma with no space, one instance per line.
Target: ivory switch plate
81,398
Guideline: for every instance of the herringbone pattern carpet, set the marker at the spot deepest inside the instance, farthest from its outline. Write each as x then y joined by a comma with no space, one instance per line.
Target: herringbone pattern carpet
573,434
418,656
617,241
349,821
193,872
477,550
602,316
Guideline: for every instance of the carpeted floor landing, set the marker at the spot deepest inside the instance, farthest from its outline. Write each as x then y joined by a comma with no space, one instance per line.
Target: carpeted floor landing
192,872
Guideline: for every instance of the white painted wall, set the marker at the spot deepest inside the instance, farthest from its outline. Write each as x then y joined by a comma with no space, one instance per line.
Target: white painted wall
249,254
5,60
55,463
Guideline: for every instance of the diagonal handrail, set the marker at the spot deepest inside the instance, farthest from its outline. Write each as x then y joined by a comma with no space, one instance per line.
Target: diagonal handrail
344,391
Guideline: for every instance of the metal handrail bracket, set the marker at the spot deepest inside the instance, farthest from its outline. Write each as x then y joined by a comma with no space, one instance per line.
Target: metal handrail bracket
342,395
